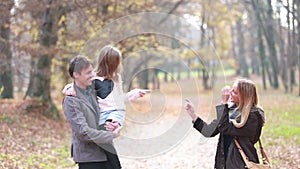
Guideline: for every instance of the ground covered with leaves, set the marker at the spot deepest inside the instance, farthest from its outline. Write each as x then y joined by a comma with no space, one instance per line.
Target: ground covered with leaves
31,140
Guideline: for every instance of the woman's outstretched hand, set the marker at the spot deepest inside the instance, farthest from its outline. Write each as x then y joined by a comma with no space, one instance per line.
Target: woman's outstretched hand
189,107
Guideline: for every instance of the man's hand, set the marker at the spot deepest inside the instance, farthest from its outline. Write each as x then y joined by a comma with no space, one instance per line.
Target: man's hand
111,126
117,132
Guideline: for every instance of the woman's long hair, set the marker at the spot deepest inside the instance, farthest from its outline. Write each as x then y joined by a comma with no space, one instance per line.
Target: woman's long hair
248,98
108,63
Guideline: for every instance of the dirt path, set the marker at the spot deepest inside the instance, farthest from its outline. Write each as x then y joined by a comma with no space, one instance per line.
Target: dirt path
193,152
160,136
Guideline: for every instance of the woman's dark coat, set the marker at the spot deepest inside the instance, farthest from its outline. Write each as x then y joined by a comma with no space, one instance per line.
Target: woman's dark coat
227,155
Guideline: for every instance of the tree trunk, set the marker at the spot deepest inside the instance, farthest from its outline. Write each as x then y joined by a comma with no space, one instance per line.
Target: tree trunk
40,77
262,56
6,84
155,80
253,44
289,51
298,43
267,24
233,44
131,72
205,73
294,47
172,72
143,79
179,70
283,56
270,32
165,76
205,78
241,49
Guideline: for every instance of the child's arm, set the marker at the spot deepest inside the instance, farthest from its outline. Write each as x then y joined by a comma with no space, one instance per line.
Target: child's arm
135,94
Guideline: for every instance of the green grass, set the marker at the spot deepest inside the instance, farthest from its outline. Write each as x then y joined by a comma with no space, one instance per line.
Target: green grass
45,160
7,119
286,131
283,118
283,124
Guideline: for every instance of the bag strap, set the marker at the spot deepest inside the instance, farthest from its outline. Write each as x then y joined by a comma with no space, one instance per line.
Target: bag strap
264,156
245,158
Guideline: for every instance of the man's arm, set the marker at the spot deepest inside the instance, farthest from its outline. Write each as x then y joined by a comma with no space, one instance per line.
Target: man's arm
79,124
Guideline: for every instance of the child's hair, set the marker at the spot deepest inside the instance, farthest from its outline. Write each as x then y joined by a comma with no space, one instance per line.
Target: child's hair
247,99
108,62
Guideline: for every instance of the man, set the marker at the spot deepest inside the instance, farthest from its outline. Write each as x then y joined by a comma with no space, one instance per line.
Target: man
81,112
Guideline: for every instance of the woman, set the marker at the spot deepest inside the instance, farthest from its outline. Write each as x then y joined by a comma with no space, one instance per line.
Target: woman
238,117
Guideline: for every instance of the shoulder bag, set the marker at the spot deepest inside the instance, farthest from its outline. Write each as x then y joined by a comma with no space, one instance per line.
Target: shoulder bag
250,164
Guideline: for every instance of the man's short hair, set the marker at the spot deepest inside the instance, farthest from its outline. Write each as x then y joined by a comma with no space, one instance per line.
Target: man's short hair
77,64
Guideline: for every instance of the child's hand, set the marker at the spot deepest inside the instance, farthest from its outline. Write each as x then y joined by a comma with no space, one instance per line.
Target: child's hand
137,93
70,92
143,92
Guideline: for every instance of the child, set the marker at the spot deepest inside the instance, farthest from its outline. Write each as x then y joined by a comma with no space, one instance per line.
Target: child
108,86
